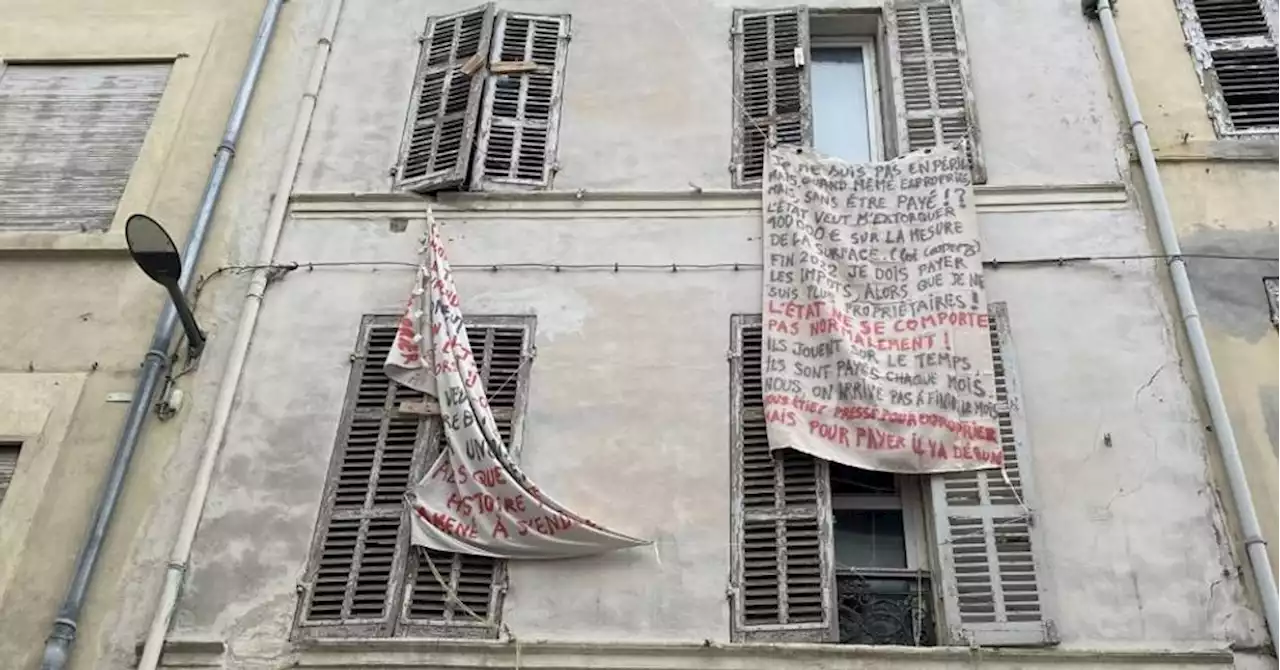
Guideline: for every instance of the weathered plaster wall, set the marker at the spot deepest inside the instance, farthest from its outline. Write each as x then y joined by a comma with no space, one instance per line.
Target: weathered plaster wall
647,113
78,314
1221,204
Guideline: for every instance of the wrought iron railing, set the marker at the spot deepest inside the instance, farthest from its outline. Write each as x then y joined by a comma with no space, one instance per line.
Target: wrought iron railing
885,608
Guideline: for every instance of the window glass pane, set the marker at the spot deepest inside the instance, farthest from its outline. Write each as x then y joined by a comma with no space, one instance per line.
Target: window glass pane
870,539
840,125
846,481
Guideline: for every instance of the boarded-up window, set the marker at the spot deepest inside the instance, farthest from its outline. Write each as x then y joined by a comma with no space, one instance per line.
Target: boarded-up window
8,465
992,589
363,564
924,43
486,101
1234,46
69,137
985,560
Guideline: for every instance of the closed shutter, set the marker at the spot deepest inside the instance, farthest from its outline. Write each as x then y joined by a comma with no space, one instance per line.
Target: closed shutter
932,86
8,465
770,86
1235,50
521,118
361,543
988,549
443,112
781,519
501,347
69,137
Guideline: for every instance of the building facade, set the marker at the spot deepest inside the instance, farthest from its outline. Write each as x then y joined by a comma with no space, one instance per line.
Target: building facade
595,168
1206,77
106,109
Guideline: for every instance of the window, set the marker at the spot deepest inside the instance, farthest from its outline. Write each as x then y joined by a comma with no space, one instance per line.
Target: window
1234,46
813,79
8,465
826,553
69,136
365,579
1269,284
485,109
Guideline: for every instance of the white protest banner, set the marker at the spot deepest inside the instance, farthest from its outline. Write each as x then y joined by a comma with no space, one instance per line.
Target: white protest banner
474,499
875,327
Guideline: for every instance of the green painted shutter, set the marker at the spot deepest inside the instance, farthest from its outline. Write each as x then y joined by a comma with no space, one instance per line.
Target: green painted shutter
932,86
770,86
990,572
782,574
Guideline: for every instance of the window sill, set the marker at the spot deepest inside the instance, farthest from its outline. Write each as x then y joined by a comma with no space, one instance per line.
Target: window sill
35,241
415,653
1243,148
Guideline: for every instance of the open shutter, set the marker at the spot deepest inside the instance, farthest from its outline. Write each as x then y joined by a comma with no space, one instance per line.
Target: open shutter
1234,44
501,346
361,538
436,149
770,87
521,118
782,575
932,85
987,541
69,136
8,465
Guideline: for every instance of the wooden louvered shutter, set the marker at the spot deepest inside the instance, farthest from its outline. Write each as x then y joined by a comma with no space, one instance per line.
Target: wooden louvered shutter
501,345
782,577
988,546
1235,48
69,136
521,118
361,540
443,111
8,465
770,86
932,86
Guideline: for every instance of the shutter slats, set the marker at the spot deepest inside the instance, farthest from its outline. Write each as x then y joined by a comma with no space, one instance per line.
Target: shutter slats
69,137
783,527
500,351
1250,82
9,452
445,105
518,129
992,591
771,87
932,84
1231,18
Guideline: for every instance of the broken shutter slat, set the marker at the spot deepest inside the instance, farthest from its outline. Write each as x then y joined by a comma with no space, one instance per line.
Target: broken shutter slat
69,137
521,112
783,580
990,561
932,85
771,87
443,111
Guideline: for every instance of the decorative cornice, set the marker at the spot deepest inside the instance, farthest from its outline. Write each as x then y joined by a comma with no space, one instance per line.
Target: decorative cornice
561,655
653,204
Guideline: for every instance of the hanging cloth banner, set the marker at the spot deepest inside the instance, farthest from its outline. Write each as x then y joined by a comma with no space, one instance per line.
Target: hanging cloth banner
876,346
474,499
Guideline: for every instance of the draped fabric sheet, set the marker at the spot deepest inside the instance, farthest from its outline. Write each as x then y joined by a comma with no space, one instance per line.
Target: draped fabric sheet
877,350
474,499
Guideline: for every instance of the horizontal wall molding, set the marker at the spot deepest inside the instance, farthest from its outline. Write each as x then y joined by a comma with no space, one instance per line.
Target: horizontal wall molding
546,655
691,204
1255,149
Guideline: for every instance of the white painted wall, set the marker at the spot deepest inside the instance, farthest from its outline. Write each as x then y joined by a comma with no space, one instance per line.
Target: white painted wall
628,417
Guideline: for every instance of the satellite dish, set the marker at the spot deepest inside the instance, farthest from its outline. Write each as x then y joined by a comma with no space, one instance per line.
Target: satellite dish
152,249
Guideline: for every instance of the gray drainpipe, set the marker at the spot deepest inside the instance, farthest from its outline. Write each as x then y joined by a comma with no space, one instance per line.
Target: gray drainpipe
1254,543
62,636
